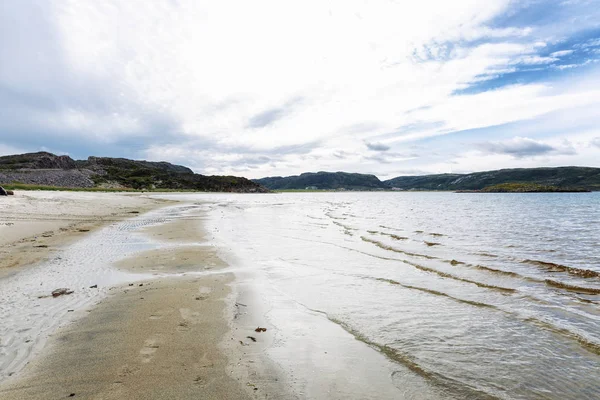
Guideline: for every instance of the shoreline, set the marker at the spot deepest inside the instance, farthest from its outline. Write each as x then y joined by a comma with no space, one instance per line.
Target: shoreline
35,225
170,335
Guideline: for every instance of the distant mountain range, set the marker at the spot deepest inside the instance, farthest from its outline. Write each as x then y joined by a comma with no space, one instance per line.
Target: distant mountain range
559,177
47,169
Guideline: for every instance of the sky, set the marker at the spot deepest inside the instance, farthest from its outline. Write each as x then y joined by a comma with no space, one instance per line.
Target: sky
277,87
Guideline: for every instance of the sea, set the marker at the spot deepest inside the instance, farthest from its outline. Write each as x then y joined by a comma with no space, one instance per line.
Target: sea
465,295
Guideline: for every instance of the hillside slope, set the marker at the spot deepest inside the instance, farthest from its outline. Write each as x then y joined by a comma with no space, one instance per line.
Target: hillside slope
51,170
323,180
560,177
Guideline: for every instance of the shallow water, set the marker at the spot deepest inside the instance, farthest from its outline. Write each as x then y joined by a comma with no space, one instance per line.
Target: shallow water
476,295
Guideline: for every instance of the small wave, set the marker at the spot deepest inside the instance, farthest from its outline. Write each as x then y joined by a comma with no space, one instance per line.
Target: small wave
332,217
347,229
580,272
584,342
431,244
484,254
395,237
488,269
389,227
435,292
386,247
435,271
391,235
572,288
450,386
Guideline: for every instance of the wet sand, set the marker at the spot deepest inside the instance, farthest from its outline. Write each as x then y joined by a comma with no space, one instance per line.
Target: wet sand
34,224
164,338
157,341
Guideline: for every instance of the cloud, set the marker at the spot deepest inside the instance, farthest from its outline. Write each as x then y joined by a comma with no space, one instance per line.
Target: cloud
209,85
561,53
266,118
595,142
390,158
521,147
377,146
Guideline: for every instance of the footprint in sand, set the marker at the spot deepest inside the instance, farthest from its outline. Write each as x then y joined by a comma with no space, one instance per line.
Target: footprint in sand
126,370
183,326
191,317
204,290
159,314
150,347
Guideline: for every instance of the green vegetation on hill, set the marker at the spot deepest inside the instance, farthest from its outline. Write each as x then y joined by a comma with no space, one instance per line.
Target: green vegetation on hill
323,181
564,178
528,188
560,177
48,170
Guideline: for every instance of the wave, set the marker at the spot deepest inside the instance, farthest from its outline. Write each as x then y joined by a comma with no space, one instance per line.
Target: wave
584,342
490,269
328,214
572,288
580,272
389,227
386,247
451,387
435,271
435,292
391,235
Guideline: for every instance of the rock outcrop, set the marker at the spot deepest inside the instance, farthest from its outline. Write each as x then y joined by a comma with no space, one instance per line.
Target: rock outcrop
47,169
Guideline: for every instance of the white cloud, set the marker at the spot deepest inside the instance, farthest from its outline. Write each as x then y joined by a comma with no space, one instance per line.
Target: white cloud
561,53
522,147
270,87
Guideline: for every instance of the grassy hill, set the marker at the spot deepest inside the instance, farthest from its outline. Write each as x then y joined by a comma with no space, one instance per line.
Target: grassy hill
323,180
565,178
559,177
47,169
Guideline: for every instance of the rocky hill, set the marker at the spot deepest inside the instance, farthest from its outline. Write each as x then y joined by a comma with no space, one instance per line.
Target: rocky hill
559,177
62,171
564,178
324,180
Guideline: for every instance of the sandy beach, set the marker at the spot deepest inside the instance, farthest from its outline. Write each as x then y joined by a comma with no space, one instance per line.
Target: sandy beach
33,225
170,336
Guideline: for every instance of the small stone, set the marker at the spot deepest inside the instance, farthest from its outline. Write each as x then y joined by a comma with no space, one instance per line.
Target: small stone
61,291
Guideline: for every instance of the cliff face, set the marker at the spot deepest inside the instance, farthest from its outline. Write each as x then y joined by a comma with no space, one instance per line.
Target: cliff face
62,171
96,163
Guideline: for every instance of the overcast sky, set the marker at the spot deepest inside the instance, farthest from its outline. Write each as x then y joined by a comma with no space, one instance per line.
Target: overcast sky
261,88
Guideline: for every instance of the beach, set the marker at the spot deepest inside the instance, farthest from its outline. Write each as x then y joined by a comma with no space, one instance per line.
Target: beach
160,334
34,224
306,296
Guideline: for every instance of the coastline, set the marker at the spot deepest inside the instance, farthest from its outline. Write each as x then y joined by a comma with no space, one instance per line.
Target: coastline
36,224
168,335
